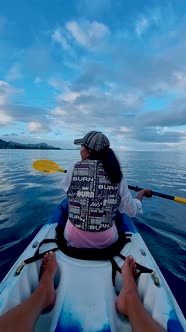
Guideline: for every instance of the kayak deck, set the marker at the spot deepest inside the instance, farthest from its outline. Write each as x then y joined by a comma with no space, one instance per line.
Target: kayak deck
85,296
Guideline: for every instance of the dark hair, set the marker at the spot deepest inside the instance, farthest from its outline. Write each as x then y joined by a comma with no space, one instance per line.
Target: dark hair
110,163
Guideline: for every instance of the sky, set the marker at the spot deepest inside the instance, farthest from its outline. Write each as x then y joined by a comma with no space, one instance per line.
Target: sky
70,66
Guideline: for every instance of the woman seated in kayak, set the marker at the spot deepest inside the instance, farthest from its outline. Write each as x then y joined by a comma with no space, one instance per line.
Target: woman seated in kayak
95,189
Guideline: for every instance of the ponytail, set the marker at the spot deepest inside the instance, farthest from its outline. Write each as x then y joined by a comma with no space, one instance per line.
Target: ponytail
110,163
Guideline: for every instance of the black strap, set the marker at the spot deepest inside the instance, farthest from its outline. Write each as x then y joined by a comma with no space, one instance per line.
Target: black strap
38,256
90,253
43,242
141,268
115,268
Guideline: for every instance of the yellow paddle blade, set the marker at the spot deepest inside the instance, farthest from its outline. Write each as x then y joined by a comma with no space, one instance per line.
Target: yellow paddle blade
47,166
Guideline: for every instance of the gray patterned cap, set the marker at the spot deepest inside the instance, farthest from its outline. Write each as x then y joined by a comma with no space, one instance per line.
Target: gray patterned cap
94,140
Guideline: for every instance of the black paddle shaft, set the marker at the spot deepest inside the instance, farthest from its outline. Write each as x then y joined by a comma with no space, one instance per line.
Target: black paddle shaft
154,193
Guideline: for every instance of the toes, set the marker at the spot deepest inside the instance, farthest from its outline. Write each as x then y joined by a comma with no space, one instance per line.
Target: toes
131,261
51,256
45,260
129,264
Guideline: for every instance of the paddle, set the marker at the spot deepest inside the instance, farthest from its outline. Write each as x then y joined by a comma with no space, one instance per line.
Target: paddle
49,167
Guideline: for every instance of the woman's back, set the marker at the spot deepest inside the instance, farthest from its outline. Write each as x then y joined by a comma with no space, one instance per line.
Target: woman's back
93,198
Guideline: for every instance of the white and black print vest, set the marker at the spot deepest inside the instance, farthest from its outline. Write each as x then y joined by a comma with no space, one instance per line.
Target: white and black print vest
93,199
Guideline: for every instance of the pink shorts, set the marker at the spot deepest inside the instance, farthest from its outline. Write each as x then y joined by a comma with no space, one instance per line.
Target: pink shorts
85,239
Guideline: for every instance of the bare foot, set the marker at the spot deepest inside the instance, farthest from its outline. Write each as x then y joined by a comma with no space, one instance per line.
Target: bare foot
129,288
46,284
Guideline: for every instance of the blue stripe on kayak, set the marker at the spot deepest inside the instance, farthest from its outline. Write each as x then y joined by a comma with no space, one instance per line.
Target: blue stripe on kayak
57,216
124,223
173,324
128,225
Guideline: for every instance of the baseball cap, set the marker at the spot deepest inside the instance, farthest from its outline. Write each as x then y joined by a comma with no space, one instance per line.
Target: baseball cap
94,140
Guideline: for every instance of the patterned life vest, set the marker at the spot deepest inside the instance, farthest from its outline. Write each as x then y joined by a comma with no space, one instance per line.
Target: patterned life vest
93,199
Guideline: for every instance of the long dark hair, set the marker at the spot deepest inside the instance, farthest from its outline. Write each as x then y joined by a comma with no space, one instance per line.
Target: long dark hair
110,163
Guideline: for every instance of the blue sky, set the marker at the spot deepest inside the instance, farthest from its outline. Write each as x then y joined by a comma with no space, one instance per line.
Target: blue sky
67,67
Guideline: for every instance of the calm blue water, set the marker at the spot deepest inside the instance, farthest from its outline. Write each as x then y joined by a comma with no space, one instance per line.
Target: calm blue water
27,198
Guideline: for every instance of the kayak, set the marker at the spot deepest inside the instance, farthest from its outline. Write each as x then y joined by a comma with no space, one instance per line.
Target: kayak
86,289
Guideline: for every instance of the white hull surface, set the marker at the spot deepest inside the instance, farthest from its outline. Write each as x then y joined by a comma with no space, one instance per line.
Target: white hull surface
85,296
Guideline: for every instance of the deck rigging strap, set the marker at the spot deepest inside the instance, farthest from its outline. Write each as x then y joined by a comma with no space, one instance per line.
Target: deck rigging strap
116,268
78,253
86,253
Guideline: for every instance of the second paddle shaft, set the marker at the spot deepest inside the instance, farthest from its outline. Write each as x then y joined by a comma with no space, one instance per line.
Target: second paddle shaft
154,193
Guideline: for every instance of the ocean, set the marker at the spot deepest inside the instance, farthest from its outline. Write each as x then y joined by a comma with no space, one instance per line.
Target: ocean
28,198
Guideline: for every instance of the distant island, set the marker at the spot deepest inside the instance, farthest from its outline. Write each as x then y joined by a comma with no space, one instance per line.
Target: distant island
14,145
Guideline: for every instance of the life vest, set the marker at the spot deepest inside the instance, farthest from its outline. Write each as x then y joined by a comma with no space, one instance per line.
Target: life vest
93,199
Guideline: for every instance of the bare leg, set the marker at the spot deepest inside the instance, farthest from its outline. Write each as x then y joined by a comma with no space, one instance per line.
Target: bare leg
23,317
129,304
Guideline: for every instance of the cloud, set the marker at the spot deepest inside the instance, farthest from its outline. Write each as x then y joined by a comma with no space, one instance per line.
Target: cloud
37,80
58,37
6,91
24,113
37,127
149,74
14,73
58,84
88,34
10,135
141,26
68,96
156,135
175,115
11,113
5,119
89,108
179,79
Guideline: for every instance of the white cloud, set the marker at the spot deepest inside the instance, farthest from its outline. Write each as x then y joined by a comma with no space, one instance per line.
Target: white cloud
5,118
14,73
88,34
37,80
141,26
180,80
37,127
58,37
58,111
58,84
77,32
3,98
131,100
6,91
68,96
124,130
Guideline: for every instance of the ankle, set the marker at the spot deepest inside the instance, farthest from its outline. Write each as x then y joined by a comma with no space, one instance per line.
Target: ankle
132,300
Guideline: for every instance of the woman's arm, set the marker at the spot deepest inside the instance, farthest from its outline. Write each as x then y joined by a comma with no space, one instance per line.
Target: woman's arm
66,181
131,206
